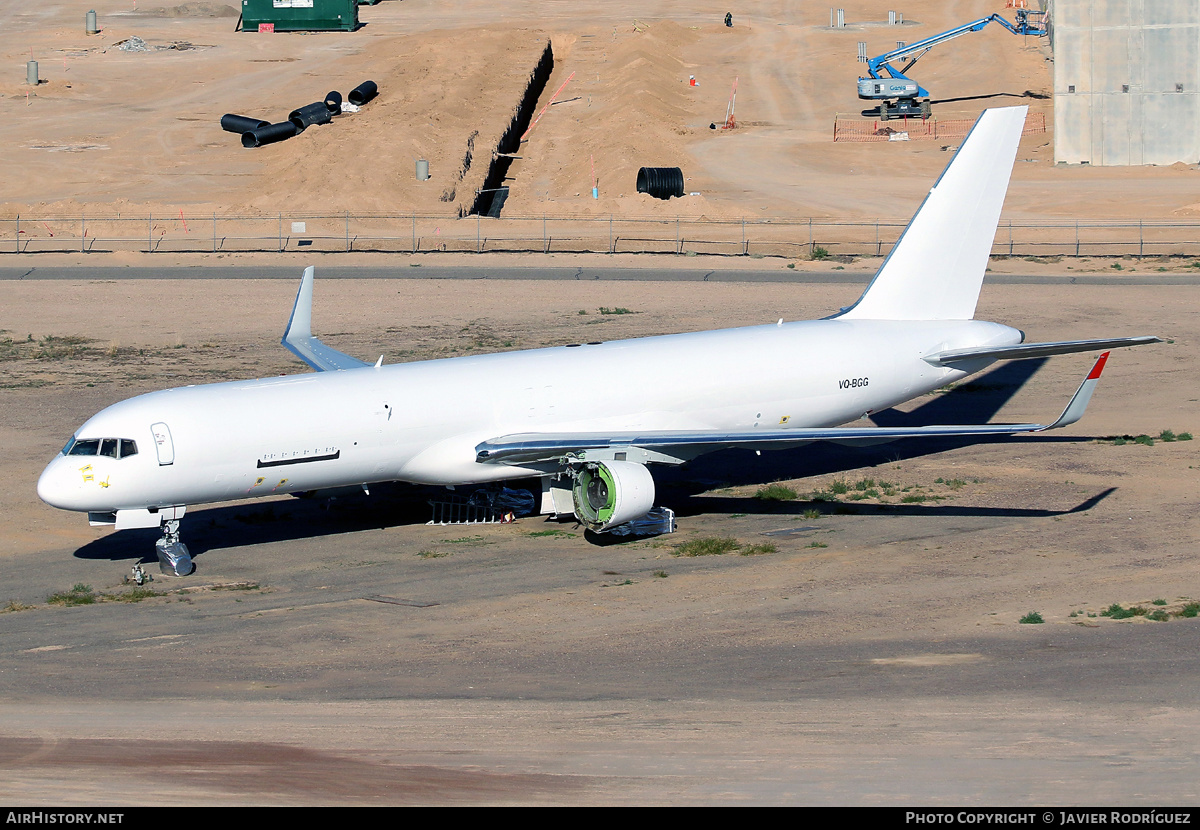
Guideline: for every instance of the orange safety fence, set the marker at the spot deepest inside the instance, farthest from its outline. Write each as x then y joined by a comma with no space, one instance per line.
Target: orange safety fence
918,129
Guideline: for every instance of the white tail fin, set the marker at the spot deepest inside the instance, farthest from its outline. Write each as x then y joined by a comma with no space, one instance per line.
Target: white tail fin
936,269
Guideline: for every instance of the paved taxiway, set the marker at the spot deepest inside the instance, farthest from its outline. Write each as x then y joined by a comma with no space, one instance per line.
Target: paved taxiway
513,272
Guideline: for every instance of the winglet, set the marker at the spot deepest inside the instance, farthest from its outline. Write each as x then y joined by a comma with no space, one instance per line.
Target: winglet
299,327
298,337
1083,396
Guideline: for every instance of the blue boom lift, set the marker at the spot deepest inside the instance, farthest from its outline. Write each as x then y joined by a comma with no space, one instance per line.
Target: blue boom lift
885,82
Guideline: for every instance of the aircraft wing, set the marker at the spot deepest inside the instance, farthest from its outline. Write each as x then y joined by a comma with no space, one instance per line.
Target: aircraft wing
299,339
676,446
1028,350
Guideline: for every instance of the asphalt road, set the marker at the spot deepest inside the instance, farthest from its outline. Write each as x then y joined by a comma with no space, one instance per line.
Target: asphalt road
453,272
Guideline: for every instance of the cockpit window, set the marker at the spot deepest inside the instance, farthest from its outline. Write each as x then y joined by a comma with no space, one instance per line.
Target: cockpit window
88,446
111,447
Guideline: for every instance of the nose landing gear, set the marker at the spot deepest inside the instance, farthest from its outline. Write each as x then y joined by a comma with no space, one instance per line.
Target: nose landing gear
173,556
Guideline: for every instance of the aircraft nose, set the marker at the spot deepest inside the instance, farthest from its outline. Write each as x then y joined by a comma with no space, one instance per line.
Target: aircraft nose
55,487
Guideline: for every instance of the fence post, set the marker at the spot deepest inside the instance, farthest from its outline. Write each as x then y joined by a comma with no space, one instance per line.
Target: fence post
281,233
149,233
810,245
478,232
745,250
544,246
878,246
18,233
677,246
610,238
214,231
82,233
1076,237
1140,239
347,231
414,241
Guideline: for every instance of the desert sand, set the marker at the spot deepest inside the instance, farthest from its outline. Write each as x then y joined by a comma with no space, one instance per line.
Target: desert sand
110,131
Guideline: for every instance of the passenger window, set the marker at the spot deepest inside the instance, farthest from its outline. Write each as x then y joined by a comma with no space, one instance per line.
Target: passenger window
89,446
128,448
109,447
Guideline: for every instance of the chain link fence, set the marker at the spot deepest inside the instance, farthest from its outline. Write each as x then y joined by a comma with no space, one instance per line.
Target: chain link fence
803,238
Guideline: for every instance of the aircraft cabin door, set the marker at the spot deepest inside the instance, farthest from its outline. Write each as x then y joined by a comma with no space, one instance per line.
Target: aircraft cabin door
163,444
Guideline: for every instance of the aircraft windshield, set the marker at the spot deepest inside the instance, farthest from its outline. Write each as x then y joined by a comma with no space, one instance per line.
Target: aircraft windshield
88,446
112,447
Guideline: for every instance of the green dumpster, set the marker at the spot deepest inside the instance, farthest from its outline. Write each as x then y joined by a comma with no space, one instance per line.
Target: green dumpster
299,15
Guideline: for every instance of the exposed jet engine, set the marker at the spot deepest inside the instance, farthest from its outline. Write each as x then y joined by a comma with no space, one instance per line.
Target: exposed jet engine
610,493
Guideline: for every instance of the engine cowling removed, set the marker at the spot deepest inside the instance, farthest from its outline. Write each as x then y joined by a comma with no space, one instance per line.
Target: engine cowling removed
610,493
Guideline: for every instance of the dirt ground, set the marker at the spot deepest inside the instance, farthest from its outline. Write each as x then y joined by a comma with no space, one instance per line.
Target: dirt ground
350,653
110,131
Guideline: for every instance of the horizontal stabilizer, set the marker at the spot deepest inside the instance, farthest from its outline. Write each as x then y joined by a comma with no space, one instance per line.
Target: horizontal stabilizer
1028,350
299,340
681,445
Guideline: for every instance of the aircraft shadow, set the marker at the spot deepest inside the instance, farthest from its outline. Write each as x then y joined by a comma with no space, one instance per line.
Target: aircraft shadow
695,505
253,523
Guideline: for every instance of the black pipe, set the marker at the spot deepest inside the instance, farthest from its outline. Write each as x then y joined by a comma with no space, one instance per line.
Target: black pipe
269,134
660,182
312,114
241,123
333,100
362,93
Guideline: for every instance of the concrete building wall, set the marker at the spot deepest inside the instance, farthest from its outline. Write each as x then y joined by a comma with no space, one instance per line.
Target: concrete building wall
1126,81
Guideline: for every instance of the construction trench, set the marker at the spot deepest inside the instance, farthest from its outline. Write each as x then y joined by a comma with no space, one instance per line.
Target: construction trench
489,200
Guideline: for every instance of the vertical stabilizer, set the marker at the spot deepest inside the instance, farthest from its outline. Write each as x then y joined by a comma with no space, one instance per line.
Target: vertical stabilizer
937,267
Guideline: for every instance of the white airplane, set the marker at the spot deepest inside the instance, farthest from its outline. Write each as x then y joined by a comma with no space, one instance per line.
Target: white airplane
142,462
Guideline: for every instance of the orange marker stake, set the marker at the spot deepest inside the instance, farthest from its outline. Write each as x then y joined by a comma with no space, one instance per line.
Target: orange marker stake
548,103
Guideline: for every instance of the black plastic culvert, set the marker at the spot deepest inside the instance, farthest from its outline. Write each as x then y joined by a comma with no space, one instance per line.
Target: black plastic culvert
269,134
241,123
660,182
312,114
333,101
362,93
